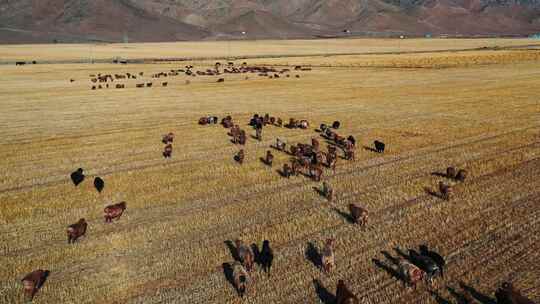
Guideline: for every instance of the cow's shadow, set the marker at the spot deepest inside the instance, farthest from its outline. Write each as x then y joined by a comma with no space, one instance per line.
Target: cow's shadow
324,294
313,255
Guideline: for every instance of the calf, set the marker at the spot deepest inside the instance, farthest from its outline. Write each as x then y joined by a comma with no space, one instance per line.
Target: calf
240,277
410,273
445,190
327,256
114,211
74,231
269,158
77,176
167,151
327,191
245,254
239,157
359,215
33,281
379,146
461,175
267,256
507,294
344,295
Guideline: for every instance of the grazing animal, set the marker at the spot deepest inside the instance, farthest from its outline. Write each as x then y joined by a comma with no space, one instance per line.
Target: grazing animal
74,231
507,294
168,138
352,140
33,281
114,211
327,191
323,127
327,256
272,120
241,278
203,121
279,122
427,264
303,124
379,146
77,176
441,263
239,157
242,137
148,84
461,175
359,215
99,184
445,190
167,152
120,86
451,172
164,84
287,170
245,254
267,256
280,145
349,154
336,125
221,80
331,160
258,133
315,144
269,158
410,273
344,295
315,171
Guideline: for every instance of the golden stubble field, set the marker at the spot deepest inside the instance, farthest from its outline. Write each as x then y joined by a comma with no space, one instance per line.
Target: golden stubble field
478,110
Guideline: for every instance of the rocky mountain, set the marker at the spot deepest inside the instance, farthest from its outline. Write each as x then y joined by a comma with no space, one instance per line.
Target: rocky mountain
173,20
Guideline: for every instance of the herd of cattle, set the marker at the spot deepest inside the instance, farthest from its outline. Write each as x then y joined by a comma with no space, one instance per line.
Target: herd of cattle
104,81
307,160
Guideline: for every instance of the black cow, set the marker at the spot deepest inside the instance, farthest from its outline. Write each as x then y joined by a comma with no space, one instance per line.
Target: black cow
437,258
427,264
379,146
267,256
99,184
77,177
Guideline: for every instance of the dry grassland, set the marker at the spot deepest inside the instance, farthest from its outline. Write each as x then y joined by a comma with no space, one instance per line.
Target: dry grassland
475,110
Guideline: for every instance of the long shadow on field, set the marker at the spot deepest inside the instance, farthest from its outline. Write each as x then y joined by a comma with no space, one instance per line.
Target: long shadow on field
403,254
389,257
431,192
325,296
394,273
438,298
313,255
480,297
228,272
439,174
460,298
369,149
232,249
345,215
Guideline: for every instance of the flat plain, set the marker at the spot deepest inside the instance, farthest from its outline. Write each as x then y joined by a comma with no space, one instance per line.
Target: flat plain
474,109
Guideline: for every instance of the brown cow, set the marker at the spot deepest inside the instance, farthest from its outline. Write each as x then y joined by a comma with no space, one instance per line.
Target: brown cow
168,138
331,160
359,215
74,231
445,190
328,261
315,144
167,152
245,254
239,157
33,281
344,295
114,211
203,121
507,294
269,158
410,273
240,278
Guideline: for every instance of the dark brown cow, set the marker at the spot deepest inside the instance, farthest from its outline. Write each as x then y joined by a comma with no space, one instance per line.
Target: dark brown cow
164,84
203,121
33,281
114,211
344,295
120,86
451,172
507,294
269,158
74,231
167,151
359,215
149,84
168,138
221,80
328,260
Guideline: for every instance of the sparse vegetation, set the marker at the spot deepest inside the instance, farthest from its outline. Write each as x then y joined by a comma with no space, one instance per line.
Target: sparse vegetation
433,111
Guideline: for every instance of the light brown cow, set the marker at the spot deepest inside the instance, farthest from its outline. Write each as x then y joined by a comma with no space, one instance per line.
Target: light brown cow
114,211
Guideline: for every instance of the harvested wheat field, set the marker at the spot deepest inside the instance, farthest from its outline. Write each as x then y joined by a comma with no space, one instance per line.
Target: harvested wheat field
474,110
